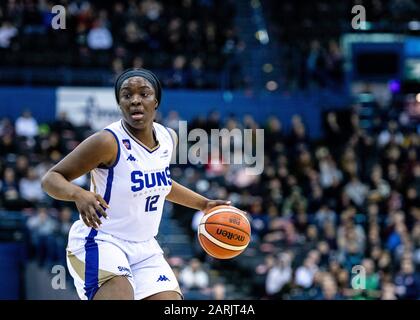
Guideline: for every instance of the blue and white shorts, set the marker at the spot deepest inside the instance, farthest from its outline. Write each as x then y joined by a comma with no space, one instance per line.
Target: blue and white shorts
93,257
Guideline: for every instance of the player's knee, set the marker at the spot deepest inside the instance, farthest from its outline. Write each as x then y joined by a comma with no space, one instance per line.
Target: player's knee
117,288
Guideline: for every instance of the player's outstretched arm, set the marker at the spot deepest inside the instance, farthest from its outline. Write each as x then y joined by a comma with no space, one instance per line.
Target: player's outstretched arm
100,148
186,197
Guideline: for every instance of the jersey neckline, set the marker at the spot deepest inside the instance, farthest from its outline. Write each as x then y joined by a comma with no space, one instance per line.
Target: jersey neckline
150,150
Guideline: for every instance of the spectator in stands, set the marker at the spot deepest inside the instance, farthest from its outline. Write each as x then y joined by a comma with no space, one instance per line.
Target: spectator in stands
99,37
298,135
177,77
21,166
172,120
30,187
304,276
8,145
316,65
65,222
325,215
62,123
42,227
388,292
407,281
193,276
274,133
390,134
7,32
196,75
218,292
259,219
329,289
6,127
331,176
372,282
334,65
138,62
26,125
10,192
334,134
198,250
278,276
356,190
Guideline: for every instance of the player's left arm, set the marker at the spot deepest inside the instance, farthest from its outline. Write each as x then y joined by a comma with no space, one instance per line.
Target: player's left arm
186,197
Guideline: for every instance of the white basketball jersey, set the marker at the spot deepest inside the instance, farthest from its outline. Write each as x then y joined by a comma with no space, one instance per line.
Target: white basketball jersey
136,186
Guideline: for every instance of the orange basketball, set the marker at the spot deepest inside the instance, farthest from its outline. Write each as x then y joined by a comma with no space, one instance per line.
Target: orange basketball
224,232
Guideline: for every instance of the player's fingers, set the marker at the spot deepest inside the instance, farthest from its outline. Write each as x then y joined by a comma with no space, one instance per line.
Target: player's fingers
101,200
85,220
101,211
96,217
222,202
93,217
90,220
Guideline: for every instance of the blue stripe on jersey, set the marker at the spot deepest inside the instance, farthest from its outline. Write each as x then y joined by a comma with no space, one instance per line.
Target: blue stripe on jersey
91,265
107,195
111,171
91,248
118,152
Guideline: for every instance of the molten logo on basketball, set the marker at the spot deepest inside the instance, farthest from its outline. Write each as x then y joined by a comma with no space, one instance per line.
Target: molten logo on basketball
230,235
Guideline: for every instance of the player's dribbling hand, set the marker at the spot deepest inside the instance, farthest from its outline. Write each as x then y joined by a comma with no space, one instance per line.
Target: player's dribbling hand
89,203
214,203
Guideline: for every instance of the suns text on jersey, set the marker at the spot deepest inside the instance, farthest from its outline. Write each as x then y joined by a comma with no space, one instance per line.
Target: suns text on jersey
141,179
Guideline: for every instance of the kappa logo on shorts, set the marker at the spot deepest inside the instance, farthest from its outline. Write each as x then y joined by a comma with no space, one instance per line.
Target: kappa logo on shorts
162,278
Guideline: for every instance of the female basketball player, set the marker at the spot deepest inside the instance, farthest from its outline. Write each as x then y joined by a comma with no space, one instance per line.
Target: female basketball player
112,252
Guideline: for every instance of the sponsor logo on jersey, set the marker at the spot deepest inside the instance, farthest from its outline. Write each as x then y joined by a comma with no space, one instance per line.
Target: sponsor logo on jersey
127,143
131,158
121,268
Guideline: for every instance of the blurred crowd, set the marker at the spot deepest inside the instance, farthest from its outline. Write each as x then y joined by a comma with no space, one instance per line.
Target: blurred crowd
187,42
309,34
332,218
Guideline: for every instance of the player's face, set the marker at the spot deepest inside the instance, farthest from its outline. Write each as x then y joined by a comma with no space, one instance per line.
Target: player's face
138,102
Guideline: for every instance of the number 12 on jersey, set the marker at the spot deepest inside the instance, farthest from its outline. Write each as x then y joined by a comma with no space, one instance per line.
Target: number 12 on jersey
151,203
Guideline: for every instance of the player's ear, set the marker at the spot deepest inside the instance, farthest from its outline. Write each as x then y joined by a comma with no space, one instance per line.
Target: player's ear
156,105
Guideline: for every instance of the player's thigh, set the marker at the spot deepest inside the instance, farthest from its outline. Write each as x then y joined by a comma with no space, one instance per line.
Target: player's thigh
165,295
116,288
154,277
94,264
